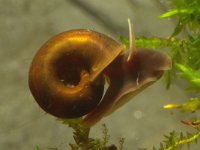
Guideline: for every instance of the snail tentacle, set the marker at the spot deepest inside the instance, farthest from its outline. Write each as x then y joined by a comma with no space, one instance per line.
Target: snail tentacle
132,47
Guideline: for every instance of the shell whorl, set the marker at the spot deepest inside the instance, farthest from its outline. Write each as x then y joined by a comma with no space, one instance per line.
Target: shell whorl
66,78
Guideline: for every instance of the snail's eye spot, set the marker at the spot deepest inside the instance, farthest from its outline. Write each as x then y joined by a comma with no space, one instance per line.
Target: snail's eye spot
68,69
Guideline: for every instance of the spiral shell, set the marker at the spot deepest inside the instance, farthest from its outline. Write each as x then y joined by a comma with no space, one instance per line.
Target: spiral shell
66,78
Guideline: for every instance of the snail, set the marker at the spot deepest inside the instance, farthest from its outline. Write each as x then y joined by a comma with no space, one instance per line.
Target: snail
68,74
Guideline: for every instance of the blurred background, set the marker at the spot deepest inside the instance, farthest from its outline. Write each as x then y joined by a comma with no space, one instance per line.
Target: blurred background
25,25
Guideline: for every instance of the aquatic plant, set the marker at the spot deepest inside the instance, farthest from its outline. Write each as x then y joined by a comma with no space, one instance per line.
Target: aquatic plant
183,47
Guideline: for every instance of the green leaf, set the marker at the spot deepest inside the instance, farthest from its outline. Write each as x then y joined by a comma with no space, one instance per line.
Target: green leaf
176,12
169,14
190,74
168,78
178,28
196,81
192,105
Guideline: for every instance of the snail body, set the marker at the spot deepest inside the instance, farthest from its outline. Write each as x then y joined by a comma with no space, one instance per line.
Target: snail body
68,74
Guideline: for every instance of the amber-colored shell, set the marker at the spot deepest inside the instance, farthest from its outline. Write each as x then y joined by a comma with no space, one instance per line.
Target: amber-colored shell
66,78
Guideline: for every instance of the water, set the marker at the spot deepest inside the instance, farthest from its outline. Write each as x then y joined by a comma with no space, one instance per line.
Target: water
26,25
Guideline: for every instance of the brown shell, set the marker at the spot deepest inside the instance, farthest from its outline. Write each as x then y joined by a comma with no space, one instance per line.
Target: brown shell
65,77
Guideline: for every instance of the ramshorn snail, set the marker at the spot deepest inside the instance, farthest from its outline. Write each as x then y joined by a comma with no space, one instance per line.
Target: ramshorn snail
68,74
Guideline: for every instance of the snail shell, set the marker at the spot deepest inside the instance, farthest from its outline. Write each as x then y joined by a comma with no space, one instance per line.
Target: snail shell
65,76
68,73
